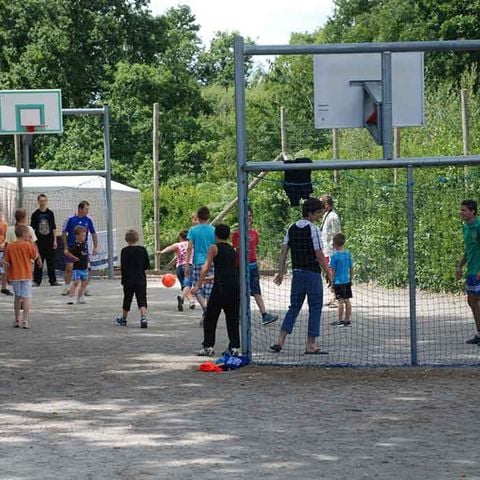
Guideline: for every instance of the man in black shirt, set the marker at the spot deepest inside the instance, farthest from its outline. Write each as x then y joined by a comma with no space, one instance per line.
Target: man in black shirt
43,222
225,293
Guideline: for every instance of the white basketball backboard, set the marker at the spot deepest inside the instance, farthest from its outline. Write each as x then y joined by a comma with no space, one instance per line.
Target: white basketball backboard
30,111
339,104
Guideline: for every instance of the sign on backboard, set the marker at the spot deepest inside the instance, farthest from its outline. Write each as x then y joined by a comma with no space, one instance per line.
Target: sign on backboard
339,93
30,111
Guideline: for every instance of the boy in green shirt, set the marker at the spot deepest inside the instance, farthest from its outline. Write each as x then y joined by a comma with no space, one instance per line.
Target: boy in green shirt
471,257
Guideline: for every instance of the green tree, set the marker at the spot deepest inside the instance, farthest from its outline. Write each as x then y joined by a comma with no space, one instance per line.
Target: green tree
74,45
413,20
217,64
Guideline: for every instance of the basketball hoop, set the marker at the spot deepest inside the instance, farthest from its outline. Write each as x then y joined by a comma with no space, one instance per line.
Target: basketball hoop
30,128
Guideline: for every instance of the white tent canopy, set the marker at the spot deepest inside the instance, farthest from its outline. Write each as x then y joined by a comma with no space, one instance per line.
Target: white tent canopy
65,193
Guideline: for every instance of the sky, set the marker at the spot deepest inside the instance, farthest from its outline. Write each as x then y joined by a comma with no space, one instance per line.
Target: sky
267,22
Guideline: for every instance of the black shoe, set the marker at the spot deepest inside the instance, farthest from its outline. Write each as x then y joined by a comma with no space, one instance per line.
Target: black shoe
269,318
6,291
143,322
180,303
55,284
122,321
474,340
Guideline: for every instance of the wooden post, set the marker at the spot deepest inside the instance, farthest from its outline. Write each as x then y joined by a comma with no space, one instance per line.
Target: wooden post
336,150
17,141
465,127
156,200
396,150
283,132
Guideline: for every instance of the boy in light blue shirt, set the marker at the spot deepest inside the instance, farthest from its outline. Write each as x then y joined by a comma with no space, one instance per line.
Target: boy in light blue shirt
200,237
341,266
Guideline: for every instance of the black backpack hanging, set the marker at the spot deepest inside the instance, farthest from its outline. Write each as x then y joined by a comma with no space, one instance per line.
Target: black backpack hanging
297,184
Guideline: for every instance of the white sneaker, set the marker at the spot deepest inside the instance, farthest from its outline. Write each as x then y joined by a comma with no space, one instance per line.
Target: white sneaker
205,352
81,300
88,293
66,290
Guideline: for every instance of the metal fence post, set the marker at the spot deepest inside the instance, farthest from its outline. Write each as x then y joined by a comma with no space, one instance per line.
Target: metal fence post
108,188
412,283
242,189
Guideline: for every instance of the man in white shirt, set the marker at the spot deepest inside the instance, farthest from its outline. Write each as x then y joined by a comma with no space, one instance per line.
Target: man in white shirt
330,227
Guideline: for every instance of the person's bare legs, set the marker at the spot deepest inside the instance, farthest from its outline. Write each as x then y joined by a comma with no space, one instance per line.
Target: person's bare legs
17,303
340,311
83,287
348,310
311,346
187,293
202,301
282,337
26,302
73,288
260,303
474,303
68,273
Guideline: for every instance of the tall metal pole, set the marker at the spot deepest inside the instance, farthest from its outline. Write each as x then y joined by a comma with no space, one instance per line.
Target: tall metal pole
18,164
412,283
283,132
396,150
156,179
27,140
387,117
108,188
465,128
336,151
242,190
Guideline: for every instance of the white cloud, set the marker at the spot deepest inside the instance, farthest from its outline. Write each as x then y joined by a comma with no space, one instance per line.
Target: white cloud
267,22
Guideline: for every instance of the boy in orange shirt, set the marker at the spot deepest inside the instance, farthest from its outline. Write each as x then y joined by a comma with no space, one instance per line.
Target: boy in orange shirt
18,259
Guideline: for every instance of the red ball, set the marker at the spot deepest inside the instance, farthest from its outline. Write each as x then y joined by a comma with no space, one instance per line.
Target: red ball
168,280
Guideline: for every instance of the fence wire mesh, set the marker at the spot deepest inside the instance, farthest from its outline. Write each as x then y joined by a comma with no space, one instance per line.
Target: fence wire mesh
373,214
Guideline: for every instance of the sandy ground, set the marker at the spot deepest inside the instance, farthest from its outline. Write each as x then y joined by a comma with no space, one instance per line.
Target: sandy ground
83,399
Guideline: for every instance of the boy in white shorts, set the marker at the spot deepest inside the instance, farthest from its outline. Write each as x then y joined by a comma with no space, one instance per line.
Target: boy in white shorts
18,258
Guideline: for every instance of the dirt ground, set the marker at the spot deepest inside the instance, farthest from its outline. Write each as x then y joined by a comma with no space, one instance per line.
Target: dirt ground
83,399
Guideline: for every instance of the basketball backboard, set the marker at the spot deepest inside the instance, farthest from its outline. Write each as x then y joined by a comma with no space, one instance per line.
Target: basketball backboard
339,93
30,111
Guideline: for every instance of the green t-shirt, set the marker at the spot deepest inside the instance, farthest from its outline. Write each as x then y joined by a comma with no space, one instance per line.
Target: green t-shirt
471,238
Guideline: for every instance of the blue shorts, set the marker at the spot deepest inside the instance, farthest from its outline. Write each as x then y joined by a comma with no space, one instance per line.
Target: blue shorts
22,288
254,279
80,275
185,282
473,285
1,264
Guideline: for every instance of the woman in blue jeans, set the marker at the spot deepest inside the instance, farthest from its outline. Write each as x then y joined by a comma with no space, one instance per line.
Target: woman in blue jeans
303,239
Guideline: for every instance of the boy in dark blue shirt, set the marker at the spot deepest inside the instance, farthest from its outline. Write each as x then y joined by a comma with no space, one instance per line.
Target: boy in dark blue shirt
78,254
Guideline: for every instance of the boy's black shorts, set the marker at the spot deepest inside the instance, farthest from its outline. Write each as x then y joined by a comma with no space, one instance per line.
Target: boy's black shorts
343,290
